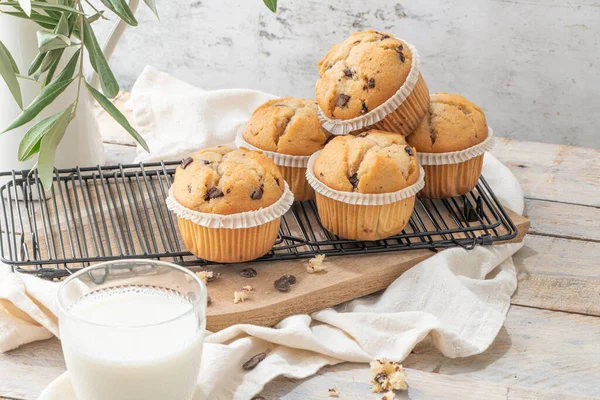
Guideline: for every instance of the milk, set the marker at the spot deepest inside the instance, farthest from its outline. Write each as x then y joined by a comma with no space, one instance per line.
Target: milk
136,360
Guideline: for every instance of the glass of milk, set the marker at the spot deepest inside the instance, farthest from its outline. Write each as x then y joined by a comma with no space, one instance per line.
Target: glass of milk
133,330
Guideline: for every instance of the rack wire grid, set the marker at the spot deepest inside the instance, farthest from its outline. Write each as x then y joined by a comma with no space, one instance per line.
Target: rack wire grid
97,214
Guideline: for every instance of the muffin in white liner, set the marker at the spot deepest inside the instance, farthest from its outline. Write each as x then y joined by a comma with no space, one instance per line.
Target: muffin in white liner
363,216
401,113
230,238
293,168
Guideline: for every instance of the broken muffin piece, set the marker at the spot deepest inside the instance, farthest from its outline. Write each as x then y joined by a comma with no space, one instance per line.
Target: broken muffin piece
316,264
387,375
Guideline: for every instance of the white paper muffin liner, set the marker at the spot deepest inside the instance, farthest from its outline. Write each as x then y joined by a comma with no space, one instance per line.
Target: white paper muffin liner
247,219
363,199
455,157
345,126
283,160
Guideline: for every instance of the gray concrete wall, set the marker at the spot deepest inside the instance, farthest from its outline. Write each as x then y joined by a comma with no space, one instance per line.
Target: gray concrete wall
533,65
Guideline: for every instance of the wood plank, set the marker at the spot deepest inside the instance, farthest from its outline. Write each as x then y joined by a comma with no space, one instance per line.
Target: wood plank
546,352
553,172
563,220
538,349
558,274
353,382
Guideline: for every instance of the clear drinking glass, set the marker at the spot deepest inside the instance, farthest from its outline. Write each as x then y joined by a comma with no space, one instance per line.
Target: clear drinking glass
133,330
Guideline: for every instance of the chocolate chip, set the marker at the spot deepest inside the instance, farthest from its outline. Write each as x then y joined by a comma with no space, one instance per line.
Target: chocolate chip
409,151
189,188
248,273
380,378
208,300
186,161
321,174
348,73
365,87
290,278
364,108
371,83
354,180
342,100
254,361
205,162
213,193
257,194
384,36
283,285
228,191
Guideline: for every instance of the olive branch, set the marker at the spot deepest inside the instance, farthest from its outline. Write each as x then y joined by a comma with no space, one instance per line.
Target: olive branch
64,25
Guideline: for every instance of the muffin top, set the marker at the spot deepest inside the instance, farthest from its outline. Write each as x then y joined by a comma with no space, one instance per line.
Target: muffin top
288,125
224,181
452,123
370,162
361,73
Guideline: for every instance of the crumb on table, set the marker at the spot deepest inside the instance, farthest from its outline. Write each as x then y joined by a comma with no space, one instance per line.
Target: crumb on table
316,264
389,396
240,297
333,392
205,276
247,288
387,375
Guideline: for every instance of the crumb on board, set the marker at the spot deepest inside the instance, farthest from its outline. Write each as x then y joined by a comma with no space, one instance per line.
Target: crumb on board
389,396
333,392
240,297
247,288
316,264
387,375
205,276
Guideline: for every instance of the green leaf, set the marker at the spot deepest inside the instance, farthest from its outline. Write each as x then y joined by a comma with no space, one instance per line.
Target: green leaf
96,17
50,141
121,8
271,5
30,143
42,20
47,95
44,6
67,72
9,70
36,63
152,6
11,60
117,115
51,41
109,83
52,58
26,6
62,28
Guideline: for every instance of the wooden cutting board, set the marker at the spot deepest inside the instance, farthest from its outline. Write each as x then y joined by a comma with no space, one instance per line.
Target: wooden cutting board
347,278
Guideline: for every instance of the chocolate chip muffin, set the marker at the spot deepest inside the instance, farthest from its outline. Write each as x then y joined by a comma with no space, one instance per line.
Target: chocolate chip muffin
288,125
288,131
452,123
451,140
364,72
370,162
225,181
229,203
365,184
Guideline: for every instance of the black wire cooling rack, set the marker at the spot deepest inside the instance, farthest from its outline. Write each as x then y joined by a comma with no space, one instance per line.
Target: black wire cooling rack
104,213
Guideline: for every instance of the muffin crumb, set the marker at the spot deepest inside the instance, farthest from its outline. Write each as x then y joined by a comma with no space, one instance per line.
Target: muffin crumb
240,297
389,396
205,276
333,392
247,288
387,375
316,264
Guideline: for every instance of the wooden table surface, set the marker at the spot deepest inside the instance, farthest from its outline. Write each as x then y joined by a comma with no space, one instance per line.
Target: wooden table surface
549,346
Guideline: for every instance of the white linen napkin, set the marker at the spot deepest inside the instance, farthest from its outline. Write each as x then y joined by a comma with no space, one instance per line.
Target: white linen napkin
458,298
